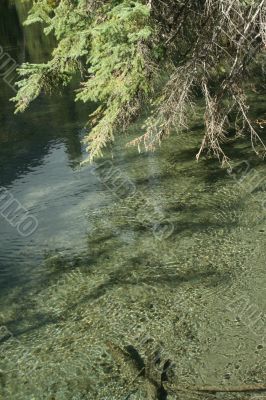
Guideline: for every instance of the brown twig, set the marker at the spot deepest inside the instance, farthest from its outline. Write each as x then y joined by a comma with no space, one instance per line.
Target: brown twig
218,389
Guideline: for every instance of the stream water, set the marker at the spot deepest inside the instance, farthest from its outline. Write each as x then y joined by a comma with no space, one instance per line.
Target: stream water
150,252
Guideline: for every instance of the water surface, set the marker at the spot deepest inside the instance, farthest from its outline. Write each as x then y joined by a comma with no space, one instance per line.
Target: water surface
101,267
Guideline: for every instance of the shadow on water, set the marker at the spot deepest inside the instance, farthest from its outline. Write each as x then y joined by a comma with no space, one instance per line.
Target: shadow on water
127,275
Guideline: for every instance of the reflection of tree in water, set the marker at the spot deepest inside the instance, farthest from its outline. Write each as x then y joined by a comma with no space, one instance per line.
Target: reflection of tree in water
36,45
26,139
9,17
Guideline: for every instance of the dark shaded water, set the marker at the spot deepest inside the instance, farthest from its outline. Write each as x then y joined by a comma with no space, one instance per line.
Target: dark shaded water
40,152
177,253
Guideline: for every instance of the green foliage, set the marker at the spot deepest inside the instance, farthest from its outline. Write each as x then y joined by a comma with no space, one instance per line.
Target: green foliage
118,73
36,78
66,57
132,53
108,42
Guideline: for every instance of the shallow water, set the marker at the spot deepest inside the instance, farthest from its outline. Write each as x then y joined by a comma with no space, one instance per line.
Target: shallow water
152,251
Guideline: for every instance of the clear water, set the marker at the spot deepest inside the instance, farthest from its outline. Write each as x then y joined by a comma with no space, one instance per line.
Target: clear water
171,261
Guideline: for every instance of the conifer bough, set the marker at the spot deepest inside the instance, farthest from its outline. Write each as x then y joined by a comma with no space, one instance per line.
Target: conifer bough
161,54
